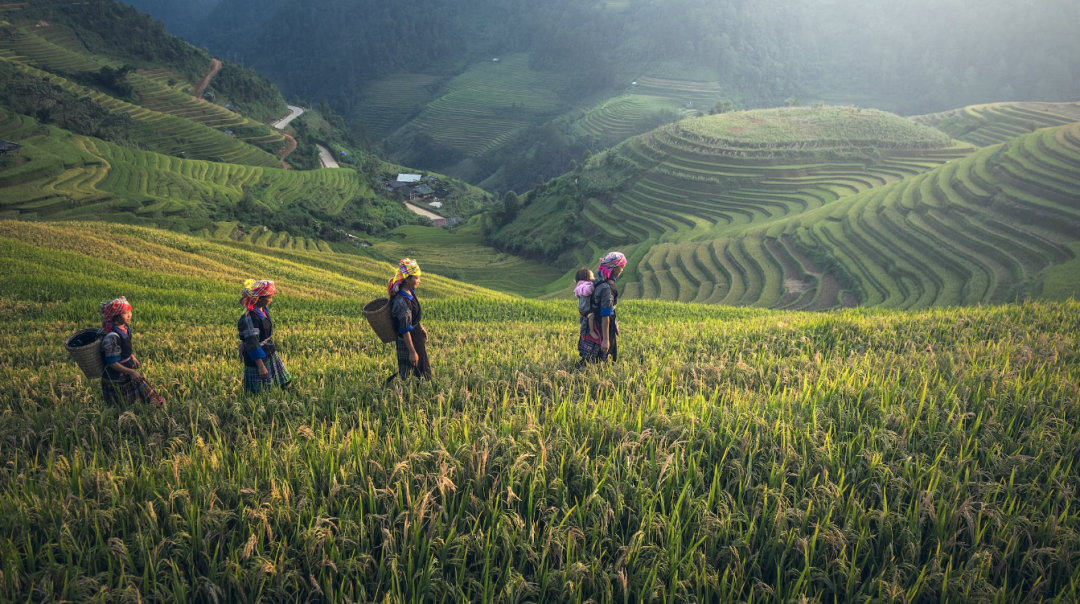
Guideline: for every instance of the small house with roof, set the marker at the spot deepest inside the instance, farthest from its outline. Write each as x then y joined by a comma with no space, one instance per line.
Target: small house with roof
407,178
9,148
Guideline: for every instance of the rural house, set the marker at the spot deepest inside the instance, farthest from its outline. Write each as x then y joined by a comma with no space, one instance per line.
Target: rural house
9,148
408,178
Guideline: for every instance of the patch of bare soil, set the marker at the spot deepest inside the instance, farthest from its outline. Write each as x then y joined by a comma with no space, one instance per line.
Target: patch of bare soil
215,67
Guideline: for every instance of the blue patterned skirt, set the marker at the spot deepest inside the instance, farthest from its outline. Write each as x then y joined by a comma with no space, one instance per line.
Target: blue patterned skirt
276,375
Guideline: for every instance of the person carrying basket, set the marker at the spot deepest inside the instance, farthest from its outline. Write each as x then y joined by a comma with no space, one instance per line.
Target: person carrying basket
405,312
121,382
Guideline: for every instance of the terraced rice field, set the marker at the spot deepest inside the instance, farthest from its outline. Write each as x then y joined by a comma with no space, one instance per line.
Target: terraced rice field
253,143
729,456
262,236
64,175
977,230
488,104
685,186
996,123
386,103
621,117
462,255
168,134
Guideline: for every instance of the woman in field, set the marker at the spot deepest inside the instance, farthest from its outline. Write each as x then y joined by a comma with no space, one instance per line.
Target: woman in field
605,297
121,382
263,368
406,313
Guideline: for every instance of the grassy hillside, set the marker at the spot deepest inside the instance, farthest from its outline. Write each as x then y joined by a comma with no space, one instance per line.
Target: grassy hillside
994,123
730,455
172,121
818,208
462,255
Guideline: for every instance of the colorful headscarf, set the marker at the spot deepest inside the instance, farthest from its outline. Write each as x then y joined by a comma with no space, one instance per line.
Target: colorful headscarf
112,309
407,267
253,290
610,262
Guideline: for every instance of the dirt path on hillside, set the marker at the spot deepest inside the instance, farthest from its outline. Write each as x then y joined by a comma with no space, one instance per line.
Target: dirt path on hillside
327,158
290,146
421,211
215,67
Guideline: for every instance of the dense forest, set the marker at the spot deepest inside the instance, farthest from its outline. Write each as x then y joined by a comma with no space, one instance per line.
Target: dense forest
928,54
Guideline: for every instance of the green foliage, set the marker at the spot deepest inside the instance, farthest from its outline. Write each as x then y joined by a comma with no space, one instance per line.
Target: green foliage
255,95
109,28
846,456
50,104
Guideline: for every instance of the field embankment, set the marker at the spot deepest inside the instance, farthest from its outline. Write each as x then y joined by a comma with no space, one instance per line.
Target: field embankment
731,453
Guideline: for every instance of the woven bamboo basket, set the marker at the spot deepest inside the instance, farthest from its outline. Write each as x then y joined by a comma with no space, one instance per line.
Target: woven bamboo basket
377,312
85,348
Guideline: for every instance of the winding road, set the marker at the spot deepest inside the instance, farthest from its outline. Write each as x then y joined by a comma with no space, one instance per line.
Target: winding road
327,158
294,112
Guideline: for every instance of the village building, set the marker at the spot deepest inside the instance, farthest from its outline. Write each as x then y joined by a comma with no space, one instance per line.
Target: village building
9,148
408,177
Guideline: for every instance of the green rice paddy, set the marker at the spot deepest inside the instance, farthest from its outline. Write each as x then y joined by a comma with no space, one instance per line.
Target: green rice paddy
731,455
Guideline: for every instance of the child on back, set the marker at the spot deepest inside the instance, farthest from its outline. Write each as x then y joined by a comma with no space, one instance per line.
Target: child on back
583,291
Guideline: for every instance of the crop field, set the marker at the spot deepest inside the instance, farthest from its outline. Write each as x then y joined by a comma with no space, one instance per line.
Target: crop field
685,186
812,127
489,103
263,236
621,117
993,227
462,255
387,102
904,231
731,455
995,123
50,49
68,176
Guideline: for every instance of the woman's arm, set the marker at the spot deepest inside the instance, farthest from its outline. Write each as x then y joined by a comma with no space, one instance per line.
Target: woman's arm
117,367
413,357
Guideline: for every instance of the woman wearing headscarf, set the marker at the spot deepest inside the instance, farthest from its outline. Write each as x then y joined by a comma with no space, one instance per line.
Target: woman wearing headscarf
406,314
121,381
605,298
263,368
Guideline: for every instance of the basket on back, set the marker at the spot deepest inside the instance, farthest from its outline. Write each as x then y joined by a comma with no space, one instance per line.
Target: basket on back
85,348
377,312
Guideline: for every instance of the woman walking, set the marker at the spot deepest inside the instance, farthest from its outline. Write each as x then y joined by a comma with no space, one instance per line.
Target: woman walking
406,314
605,297
263,368
121,382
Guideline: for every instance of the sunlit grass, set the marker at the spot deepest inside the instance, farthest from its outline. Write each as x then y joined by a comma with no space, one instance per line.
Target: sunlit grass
732,455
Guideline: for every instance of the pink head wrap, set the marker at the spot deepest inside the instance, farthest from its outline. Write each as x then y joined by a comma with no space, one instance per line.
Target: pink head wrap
112,309
253,290
609,262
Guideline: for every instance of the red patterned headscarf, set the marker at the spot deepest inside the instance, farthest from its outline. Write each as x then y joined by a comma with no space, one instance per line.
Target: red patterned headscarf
407,267
253,290
112,309
609,263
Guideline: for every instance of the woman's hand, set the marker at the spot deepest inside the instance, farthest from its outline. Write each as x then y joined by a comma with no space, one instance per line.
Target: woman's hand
423,332
135,364
605,345
413,358
263,373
